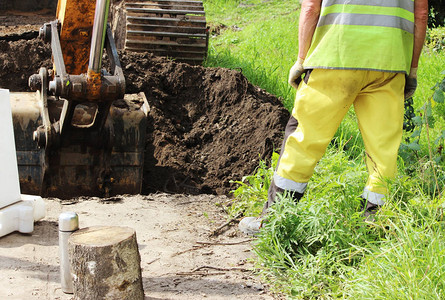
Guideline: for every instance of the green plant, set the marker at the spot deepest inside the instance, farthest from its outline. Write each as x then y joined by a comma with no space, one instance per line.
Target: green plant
436,16
251,193
428,167
435,39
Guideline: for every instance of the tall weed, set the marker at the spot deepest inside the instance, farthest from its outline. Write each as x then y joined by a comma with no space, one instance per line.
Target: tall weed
251,193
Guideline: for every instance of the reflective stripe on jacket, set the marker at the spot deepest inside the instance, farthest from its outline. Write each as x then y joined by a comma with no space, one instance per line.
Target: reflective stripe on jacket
363,34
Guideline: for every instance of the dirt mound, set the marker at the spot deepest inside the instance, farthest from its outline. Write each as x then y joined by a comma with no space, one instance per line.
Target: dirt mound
207,126
19,60
24,16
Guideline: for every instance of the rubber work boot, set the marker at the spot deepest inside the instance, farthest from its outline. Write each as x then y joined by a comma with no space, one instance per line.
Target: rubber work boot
250,225
369,210
272,196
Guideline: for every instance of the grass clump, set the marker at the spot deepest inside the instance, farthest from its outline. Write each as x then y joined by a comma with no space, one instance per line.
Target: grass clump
307,249
322,248
409,262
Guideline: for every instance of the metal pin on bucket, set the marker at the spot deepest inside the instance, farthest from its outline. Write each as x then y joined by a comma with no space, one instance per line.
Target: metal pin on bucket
68,223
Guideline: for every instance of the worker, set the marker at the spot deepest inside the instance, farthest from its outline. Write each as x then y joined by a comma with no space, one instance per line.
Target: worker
353,52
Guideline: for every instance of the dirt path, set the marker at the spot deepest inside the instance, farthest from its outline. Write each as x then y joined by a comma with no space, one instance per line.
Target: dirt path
179,259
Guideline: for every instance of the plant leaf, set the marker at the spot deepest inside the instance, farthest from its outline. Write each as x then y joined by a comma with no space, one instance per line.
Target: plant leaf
416,133
442,85
438,96
417,120
414,146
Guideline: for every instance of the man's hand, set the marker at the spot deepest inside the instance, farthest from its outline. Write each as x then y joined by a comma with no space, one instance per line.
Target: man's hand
411,83
295,73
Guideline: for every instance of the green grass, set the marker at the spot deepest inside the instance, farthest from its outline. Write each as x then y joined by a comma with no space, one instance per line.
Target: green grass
321,248
409,263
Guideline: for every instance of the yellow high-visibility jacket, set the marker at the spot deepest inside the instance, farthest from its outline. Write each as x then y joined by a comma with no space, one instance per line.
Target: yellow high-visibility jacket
363,34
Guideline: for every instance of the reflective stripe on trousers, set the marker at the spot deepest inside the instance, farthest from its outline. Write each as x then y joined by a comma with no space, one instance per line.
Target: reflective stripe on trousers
321,105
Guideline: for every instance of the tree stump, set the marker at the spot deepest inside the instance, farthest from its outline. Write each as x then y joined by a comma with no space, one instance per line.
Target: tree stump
105,263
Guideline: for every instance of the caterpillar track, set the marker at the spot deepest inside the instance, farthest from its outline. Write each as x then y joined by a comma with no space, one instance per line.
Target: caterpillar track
173,28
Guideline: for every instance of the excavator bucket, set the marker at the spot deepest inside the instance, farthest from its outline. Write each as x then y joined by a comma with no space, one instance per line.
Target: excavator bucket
88,165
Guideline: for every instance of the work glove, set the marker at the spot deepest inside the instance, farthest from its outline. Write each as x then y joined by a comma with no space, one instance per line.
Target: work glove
411,83
295,73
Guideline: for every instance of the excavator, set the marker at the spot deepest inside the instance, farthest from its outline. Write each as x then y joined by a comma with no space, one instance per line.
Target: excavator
79,134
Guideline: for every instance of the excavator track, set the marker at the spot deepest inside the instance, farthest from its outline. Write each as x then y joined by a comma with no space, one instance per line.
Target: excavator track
173,28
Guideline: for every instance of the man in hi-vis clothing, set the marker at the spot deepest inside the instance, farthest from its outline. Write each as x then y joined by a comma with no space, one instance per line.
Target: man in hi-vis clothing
354,52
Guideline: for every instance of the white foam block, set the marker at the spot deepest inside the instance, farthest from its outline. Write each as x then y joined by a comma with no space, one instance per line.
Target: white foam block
21,216
9,175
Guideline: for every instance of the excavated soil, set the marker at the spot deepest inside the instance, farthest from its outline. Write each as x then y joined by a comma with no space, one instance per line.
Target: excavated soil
206,128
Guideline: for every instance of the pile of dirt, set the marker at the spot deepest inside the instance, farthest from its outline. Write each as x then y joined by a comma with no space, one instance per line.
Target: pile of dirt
21,59
207,126
25,16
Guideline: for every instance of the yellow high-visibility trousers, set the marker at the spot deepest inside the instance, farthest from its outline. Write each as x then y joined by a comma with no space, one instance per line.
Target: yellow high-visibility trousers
321,105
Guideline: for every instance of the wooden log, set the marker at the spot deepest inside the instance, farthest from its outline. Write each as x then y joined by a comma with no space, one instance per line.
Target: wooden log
105,263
